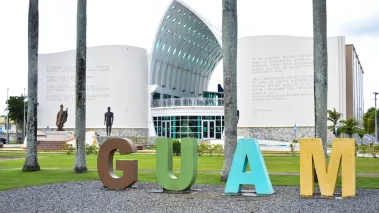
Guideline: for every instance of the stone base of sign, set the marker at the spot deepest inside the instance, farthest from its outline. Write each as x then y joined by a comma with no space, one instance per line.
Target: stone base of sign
164,191
248,193
336,196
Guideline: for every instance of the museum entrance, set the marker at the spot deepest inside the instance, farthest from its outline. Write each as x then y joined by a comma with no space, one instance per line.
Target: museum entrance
166,129
208,129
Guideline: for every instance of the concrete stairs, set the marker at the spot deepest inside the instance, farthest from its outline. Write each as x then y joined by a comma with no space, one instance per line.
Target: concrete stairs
50,145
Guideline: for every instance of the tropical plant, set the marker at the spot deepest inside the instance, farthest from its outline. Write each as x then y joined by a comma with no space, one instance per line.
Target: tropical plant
349,127
292,146
92,149
202,148
217,148
229,52
333,116
69,148
361,133
16,111
364,150
80,165
31,159
369,120
176,149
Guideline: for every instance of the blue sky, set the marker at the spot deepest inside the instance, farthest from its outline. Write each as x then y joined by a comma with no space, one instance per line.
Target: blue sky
131,22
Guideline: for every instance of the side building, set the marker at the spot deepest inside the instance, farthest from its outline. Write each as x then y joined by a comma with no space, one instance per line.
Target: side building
117,77
354,85
275,81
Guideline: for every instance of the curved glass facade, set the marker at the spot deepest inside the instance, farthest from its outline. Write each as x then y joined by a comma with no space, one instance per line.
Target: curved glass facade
186,51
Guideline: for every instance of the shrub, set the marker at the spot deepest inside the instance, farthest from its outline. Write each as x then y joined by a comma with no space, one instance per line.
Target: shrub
69,148
91,149
176,147
364,149
217,148
202,148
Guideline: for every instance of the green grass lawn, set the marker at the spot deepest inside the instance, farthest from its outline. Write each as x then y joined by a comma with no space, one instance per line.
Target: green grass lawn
16,178
147,162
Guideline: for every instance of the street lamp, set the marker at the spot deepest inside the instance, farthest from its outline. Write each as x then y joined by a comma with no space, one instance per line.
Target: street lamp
376,121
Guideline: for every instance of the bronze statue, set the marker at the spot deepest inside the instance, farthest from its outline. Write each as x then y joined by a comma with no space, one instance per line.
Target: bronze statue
108,121
61,118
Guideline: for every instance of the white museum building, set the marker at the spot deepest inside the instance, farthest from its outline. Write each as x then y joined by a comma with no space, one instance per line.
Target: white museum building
165,91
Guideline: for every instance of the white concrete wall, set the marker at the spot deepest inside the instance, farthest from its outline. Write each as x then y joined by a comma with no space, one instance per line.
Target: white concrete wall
275,80
117,76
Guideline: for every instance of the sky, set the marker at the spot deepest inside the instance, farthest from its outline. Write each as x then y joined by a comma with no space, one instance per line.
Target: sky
135,22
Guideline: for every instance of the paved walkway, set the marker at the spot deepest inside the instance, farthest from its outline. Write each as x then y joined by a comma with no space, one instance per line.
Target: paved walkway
92,197
374,175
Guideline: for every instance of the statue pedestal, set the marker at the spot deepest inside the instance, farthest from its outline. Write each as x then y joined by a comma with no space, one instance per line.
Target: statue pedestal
52,140
59,136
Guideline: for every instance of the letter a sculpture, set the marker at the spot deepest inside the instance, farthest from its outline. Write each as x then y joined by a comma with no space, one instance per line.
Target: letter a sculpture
248,152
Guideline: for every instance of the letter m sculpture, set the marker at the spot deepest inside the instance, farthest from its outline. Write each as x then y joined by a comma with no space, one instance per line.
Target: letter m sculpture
312,158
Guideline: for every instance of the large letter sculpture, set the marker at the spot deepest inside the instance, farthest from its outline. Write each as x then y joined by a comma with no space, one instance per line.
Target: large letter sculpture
248,151
105,164
311,153
166,177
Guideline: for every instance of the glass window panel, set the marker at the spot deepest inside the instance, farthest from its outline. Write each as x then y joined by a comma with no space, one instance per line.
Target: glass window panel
218,135
195,129
158,43
211,129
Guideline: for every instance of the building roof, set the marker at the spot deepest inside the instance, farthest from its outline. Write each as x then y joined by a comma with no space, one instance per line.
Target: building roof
189,44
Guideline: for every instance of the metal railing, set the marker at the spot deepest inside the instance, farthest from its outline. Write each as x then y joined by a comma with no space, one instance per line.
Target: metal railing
179,102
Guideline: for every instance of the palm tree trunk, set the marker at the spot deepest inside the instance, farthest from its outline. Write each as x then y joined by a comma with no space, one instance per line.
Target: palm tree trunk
229,51
320,70
31,159
81,54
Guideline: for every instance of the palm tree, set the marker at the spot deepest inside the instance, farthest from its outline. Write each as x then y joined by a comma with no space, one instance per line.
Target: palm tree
361,134
333,116
31,158
369,120
320,70
229,52
81,56
350,127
